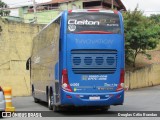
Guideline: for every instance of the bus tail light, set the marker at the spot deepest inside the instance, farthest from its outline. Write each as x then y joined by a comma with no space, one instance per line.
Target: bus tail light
0,88
65,83
69,11
121,84
84,10
115,12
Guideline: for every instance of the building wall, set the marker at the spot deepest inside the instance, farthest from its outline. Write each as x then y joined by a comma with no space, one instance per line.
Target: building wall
13,18
44,17
147,76
68,6
15,49
14,12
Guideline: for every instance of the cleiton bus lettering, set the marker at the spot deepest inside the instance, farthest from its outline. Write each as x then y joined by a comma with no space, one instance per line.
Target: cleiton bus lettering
83,22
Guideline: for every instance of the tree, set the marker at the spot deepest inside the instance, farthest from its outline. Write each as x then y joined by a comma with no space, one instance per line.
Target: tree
3,12
140,34
155,18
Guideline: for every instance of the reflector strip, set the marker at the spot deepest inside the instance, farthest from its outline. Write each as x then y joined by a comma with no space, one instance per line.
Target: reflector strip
8,100
7,96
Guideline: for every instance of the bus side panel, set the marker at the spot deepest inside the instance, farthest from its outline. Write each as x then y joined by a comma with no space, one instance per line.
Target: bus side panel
45,61
123,42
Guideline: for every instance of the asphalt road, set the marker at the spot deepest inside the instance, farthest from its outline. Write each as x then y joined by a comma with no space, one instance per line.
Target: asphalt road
144,99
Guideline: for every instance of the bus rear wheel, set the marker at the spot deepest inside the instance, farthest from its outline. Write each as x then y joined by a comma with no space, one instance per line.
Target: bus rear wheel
56,108
50,101
36,100
1,116
51,105
105,109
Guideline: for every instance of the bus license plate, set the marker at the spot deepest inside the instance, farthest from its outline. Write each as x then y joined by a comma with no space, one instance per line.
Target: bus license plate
94,98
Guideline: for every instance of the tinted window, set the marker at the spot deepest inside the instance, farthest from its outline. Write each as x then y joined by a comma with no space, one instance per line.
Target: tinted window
104,22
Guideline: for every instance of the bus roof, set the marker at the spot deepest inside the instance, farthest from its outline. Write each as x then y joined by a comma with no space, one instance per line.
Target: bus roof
93,10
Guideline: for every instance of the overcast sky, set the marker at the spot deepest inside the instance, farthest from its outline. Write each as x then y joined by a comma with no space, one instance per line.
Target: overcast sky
148,6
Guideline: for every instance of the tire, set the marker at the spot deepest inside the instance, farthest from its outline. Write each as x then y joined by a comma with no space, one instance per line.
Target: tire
0,114
50,102
51,105
36,100
105,109
33,94
56,108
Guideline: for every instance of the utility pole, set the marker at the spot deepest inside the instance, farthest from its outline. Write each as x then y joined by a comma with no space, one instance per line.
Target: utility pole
34,8
112,4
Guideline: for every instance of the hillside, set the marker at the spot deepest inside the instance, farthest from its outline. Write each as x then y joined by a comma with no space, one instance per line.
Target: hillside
142,61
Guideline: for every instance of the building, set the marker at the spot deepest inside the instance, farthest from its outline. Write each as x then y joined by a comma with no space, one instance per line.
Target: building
45,12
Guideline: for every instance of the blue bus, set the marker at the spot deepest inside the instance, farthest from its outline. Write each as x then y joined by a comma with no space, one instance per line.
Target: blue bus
78,60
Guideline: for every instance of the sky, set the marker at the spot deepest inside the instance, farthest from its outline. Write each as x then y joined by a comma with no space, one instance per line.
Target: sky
148,6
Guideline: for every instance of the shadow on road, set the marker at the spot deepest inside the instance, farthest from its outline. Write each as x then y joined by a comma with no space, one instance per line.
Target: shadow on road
81,111
88,112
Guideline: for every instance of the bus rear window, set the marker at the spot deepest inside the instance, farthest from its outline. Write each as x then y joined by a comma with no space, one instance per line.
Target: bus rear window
93,23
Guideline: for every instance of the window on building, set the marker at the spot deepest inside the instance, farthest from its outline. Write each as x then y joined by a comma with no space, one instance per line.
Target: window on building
91,4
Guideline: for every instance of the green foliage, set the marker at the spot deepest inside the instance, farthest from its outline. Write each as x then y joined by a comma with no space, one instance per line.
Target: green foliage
156,18
2,4
3,12
141,34
0,30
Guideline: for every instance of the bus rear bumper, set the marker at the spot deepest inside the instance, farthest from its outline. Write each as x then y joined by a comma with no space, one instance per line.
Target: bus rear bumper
92,99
